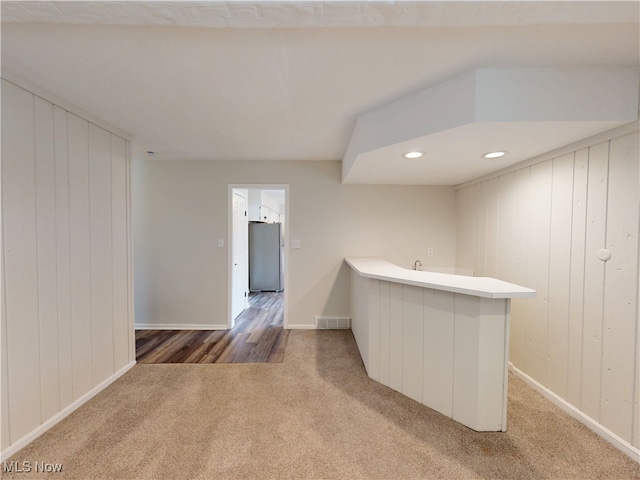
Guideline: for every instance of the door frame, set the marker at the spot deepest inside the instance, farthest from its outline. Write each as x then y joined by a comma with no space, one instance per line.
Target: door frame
256,186
242,194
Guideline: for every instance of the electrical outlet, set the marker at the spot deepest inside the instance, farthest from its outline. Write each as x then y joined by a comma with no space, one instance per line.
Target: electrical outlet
429,252
295,244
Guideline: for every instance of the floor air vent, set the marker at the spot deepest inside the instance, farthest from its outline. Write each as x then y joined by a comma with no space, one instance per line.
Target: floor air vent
333,323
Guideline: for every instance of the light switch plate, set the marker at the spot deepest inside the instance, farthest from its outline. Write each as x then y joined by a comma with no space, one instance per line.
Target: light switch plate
221,242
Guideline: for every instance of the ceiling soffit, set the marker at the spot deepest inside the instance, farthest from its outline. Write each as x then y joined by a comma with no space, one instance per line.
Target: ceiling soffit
526,111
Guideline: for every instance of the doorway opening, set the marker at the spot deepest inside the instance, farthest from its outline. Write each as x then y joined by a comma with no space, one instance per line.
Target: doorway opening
258,248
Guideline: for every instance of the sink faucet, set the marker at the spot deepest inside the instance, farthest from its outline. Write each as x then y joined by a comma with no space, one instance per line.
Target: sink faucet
417,265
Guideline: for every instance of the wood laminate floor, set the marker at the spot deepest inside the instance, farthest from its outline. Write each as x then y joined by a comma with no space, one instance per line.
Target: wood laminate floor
257,337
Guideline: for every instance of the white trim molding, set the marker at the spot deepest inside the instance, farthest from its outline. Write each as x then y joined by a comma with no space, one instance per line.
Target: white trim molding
622,445
177,326
62,414
257,186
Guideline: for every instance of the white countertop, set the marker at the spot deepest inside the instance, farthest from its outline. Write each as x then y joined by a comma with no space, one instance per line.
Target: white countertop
487,287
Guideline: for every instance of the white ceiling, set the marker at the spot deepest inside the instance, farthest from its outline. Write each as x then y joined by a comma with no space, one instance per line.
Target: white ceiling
287,80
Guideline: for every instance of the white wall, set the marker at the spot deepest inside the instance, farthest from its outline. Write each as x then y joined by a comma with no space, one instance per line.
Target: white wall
542,226
66,322
180,210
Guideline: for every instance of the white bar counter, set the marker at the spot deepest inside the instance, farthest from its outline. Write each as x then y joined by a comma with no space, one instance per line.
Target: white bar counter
440,339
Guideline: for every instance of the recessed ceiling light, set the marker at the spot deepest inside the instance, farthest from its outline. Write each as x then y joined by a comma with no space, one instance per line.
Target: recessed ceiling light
413,155
495,154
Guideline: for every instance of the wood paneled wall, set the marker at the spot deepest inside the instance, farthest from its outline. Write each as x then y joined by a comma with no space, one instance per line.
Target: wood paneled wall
542,226
66,317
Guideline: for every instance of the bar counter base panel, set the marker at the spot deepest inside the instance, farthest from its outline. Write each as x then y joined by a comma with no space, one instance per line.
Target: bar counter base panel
444,349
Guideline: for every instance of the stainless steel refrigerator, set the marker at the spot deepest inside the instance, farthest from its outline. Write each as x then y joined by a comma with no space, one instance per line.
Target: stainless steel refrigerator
265,257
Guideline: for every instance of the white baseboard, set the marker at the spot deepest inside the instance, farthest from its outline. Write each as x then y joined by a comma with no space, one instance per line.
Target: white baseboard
301,326
608,435
177,326
65,412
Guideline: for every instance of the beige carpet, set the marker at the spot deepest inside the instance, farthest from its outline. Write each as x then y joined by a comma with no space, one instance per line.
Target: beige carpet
317,415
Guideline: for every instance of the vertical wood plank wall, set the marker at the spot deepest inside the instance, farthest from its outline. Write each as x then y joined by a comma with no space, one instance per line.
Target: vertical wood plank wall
545,224
66,325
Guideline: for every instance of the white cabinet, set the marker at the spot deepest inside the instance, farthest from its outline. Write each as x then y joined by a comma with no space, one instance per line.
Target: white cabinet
262,213
262,207
254,213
